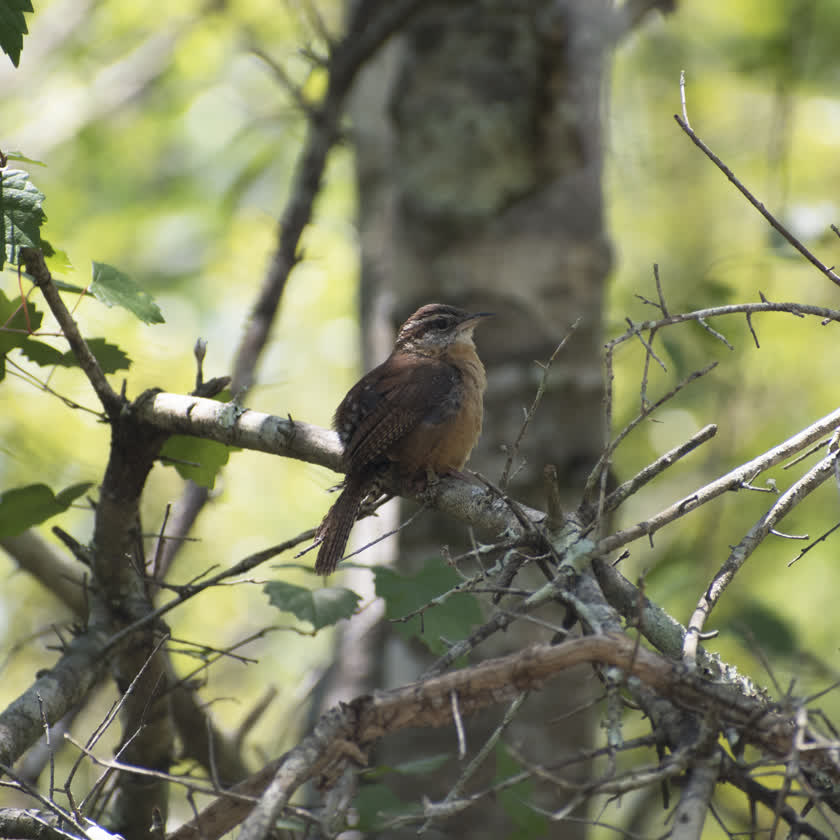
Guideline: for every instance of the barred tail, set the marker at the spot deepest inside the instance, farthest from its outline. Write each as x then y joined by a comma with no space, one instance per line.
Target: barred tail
337,524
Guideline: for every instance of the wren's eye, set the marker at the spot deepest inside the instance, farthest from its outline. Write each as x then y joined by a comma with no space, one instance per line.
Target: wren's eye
439,323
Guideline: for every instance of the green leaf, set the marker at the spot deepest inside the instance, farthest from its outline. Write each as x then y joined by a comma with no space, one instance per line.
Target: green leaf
42,354
320,607
377,804
113,288
13,27
21,215
23,507
449,620
15,324
58,260
19,156
762,625
530,825
110,357
197,459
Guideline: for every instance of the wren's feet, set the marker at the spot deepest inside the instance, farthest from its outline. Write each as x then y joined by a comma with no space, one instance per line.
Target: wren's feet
423,484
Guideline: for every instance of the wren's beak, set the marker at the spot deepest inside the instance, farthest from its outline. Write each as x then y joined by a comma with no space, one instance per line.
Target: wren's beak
471,321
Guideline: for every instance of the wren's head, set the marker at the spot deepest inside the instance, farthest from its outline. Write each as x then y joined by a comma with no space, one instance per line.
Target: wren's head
435,327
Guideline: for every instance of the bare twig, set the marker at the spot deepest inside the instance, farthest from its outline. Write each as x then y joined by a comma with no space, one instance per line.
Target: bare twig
480,757
603,462
628,488
781,507
529,415
774,223
733,480
369,27
37,269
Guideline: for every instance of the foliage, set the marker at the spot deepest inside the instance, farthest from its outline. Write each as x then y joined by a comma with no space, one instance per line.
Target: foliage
320,607
425,606
13,27
23,507
21,215
114,288
198,244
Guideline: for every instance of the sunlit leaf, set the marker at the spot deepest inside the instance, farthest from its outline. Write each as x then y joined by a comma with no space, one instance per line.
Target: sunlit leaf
21,214
113,288
197,459
58,260
320,607
23,507
19,156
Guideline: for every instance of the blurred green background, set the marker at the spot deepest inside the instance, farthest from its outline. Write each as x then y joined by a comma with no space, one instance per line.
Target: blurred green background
169,144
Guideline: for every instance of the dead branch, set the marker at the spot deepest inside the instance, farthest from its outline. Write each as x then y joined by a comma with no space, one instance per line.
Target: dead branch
345,734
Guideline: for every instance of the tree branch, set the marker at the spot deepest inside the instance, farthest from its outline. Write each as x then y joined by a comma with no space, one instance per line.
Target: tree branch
345,734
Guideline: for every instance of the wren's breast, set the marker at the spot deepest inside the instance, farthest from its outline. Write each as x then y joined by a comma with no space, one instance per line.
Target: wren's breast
444,440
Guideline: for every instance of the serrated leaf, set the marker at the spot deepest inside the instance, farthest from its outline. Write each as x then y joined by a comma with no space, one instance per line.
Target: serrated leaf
42,354
113,288
13,27
21,214
23,507
450,620
320,607
14,326
110,357
197,459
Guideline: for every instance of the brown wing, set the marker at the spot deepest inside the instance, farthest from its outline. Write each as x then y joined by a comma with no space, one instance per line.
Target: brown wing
389,402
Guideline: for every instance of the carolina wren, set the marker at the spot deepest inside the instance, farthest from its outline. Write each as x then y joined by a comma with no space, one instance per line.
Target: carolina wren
419,411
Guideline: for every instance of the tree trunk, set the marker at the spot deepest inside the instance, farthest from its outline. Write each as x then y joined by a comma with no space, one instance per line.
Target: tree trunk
478,141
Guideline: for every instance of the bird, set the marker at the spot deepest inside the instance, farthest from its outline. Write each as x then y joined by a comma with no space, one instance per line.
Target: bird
418,413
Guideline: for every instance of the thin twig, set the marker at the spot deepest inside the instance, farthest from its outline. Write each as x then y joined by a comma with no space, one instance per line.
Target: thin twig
818,474
514,449
814,544
628,488
37,269
480,757
367,29
730,481
604,461
774,223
